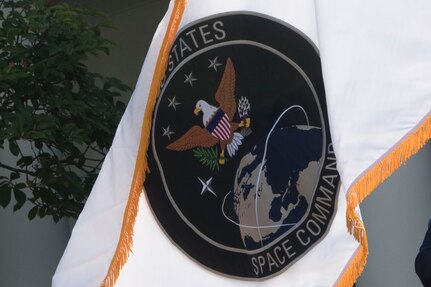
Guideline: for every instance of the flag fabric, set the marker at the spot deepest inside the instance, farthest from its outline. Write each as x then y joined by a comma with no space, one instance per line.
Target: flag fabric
234,143
376,68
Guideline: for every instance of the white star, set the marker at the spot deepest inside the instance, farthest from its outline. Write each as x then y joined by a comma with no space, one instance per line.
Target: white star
206,186
189,79
167,132
173,103
214,64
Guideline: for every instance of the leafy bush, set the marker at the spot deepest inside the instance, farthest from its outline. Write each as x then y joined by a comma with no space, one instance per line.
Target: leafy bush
56,117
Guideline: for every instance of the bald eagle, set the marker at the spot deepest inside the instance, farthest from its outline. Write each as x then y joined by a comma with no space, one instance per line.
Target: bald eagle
217,121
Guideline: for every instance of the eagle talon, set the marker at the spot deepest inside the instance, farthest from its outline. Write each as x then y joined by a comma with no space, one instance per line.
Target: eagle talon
221,160
245,123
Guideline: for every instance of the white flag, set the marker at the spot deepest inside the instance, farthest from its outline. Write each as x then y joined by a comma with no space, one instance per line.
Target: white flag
239,134
377,70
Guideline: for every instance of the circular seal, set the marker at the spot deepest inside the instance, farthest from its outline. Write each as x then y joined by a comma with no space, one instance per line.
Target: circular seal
243,175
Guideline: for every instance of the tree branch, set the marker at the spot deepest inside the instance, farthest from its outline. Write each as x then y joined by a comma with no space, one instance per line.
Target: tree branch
93,159
98,151
17,169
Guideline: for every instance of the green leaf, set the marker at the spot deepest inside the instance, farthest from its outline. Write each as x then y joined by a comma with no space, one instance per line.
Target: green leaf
19,125
25,161
20,196
38,144
20,185
5,194
18,206
46,122
14,175
42,211
14,148
56,218
32,213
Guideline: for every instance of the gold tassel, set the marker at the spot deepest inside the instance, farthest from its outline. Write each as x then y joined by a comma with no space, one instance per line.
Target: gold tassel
366,184
125,242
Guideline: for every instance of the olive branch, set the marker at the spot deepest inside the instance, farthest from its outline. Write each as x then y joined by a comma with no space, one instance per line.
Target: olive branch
208,157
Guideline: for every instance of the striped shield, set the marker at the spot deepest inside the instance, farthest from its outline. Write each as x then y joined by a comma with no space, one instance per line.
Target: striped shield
219,126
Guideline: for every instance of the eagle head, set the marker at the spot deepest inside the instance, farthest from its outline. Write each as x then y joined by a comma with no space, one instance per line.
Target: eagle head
207,110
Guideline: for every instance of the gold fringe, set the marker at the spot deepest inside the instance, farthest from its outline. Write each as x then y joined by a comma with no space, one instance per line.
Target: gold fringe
125,243
354,269
365,185
357,264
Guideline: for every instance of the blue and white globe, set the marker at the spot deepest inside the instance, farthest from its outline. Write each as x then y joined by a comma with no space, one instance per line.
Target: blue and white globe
275,183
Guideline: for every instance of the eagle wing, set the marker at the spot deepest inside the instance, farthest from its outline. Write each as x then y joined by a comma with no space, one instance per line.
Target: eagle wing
225,94
194,137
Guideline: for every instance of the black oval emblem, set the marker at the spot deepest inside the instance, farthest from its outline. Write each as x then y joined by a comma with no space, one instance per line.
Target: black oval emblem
243,175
